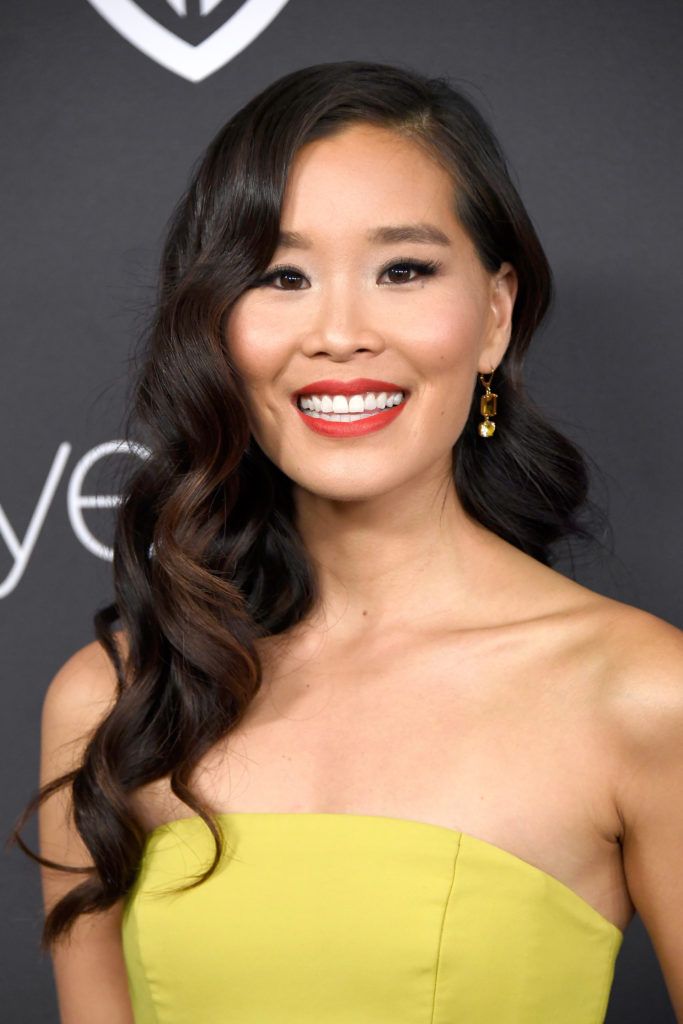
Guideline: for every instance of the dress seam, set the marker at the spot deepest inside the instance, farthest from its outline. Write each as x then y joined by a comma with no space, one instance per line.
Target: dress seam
443,925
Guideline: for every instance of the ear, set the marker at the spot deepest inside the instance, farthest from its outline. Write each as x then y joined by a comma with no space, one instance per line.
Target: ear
503,292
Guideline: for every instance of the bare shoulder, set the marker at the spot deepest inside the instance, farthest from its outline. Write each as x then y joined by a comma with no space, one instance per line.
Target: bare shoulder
630,662
84,688
89,969
644,697
629,643
640,696
79,696
639,656
643,680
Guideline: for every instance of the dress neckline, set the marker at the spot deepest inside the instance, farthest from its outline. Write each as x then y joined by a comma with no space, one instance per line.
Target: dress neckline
445,830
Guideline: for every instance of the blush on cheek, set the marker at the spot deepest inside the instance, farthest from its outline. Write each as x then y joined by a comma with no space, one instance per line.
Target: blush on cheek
259,344
444,333
453,357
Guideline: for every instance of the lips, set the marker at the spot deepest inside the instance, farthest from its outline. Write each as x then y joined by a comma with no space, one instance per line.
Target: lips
348,387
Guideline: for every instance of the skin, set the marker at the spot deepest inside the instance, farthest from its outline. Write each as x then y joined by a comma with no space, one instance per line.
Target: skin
376,525
526,674
444,675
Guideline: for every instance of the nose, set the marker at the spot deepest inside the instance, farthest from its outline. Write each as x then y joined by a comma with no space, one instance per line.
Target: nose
340,325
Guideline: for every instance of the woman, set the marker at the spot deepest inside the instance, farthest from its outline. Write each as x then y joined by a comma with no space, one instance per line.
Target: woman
357,752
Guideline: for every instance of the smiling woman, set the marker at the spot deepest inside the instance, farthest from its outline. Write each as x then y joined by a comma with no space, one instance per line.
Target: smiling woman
369,272
460,768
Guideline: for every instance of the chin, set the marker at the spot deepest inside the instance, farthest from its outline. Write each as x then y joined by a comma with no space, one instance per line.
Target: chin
345,489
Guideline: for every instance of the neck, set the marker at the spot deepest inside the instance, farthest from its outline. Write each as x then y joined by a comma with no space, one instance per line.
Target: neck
396,560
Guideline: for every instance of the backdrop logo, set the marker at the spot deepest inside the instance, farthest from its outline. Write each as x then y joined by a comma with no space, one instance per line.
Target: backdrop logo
20,549
176,54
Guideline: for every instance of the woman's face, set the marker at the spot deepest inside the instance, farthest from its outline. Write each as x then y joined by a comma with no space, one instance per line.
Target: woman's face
374,278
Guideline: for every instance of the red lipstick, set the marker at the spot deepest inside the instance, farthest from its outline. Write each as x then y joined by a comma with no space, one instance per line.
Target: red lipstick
350,428
347,387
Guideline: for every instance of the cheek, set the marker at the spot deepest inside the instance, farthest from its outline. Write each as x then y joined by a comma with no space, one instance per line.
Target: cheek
251,341
444,341
257,362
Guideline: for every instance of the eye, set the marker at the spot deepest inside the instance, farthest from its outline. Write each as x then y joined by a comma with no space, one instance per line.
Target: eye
290,279
405,271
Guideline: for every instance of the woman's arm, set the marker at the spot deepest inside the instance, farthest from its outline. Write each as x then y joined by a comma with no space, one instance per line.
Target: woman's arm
89,968
649,717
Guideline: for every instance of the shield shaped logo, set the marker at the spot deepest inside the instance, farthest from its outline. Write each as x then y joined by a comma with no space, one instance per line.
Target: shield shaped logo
171,51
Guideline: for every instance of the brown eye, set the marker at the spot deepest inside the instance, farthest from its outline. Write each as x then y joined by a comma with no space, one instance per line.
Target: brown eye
284,279
290,279
400,273
408,270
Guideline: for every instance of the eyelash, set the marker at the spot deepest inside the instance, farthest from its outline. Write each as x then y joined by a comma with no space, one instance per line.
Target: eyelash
424,268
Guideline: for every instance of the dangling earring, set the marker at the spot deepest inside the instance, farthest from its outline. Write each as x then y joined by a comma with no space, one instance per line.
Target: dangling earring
487,407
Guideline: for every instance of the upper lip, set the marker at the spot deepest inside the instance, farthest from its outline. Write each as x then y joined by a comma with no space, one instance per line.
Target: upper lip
344,387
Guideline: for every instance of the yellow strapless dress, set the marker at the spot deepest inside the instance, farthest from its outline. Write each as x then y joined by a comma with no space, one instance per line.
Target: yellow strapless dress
358,919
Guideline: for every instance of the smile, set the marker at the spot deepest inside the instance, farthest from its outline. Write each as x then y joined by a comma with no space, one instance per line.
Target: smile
331,407
339,416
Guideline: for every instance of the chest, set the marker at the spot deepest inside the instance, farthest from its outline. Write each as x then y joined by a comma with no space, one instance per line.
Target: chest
436,726
495,737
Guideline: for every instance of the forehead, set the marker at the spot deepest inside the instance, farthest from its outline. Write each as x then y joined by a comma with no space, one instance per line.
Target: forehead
365,174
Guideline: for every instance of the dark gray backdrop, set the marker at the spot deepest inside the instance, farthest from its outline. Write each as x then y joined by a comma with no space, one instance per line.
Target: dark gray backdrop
98,141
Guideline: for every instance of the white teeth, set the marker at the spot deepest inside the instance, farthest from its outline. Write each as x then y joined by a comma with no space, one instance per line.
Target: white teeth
340,416
355,405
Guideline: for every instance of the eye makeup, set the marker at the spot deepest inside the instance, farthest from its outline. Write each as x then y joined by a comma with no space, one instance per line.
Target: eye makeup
420,268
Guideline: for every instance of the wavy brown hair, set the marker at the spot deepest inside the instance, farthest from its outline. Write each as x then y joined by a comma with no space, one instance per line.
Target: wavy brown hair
207,555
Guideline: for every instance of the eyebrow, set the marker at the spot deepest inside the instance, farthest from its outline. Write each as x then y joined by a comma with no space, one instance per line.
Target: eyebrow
427,234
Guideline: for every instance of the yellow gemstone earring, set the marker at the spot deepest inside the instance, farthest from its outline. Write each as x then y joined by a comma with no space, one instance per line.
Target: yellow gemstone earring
487,407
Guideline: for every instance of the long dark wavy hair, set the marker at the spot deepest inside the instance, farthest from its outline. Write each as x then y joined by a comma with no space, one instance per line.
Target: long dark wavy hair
207,555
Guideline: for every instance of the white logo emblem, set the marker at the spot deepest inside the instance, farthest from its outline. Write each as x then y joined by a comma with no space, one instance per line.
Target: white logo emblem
174,53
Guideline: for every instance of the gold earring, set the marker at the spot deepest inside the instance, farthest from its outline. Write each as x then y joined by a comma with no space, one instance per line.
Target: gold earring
487,407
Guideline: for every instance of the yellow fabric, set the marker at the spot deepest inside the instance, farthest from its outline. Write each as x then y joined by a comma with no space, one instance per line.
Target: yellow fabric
358,919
